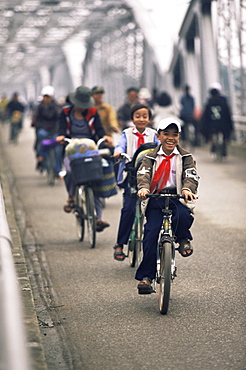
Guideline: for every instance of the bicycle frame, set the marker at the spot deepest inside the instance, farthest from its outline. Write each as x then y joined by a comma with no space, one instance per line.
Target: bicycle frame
166,267
219,145
49,145
84,210
135,238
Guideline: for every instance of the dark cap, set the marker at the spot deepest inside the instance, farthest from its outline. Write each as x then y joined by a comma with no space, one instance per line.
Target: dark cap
97,90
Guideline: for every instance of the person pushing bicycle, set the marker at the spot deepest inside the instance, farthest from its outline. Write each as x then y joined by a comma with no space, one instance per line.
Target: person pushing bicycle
170,169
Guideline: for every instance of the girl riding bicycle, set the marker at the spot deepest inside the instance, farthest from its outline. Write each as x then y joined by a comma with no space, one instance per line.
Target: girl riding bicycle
172,169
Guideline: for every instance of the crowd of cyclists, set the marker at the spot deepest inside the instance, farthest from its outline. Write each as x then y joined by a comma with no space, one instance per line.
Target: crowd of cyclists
143,118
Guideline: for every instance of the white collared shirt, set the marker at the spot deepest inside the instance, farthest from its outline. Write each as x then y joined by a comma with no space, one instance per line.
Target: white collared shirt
135,138
171,182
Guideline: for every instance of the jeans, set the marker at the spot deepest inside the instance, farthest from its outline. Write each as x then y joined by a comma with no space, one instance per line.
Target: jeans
182,220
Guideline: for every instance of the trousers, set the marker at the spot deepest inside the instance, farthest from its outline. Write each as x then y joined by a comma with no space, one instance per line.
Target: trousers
182,220
127,216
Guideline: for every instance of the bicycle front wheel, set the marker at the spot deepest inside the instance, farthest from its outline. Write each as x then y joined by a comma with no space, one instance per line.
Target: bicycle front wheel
80,213
165,276
51,167
90,216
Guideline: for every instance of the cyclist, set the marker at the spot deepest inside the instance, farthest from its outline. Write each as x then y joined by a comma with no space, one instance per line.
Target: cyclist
80,120
129,142
215,118
44,120
170,168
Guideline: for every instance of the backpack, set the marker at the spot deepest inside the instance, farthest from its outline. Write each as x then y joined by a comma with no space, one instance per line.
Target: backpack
132,167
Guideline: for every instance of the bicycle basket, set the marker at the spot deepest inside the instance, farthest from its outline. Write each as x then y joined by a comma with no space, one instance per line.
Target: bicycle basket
86,169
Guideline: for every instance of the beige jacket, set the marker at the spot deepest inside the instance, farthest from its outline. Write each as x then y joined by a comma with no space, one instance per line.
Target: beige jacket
108,118
186,172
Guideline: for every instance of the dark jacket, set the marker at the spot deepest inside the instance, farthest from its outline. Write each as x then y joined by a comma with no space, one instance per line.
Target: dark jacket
91,116
14,105
216,117
46,117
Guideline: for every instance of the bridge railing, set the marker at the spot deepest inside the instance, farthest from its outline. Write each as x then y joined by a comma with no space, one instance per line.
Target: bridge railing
240,128
13,349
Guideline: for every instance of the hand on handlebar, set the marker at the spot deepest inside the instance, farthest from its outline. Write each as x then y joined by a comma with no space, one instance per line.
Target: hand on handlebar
109,139
60,138
142,193
116,154
189,196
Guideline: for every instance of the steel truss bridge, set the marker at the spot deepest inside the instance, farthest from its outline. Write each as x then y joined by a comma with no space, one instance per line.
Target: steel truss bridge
110,42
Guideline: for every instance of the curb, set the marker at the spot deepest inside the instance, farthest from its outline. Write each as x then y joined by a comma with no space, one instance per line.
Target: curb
31,327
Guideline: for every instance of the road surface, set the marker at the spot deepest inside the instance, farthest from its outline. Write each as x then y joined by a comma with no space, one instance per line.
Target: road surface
91,316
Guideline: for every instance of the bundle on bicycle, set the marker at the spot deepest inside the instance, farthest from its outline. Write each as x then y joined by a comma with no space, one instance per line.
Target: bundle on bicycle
166,175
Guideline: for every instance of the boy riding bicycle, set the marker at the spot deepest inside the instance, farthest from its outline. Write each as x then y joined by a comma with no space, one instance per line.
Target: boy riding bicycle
170,169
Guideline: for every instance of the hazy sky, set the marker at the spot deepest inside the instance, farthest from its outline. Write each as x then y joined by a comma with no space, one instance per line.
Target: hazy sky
161,21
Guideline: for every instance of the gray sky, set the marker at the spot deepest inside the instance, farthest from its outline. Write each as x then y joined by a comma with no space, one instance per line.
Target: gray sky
161,21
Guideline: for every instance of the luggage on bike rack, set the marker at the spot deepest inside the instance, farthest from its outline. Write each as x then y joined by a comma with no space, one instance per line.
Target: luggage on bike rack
107,187
86,167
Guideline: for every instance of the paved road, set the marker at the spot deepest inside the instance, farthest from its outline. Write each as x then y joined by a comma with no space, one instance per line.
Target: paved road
90,314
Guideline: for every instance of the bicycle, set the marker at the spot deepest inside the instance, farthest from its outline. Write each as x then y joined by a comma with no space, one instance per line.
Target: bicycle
134,246
134,252
84,210
218,146
166,267
84,202
50,159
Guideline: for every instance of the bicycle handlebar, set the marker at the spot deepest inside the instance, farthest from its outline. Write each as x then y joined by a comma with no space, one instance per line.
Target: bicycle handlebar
122,157
158,195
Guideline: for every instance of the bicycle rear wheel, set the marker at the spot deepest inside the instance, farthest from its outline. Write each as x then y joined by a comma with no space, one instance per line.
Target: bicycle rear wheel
90,216
135,241
131,247
80,213
165,276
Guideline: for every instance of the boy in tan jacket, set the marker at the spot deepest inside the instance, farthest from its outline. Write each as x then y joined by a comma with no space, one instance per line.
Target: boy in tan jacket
170,168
